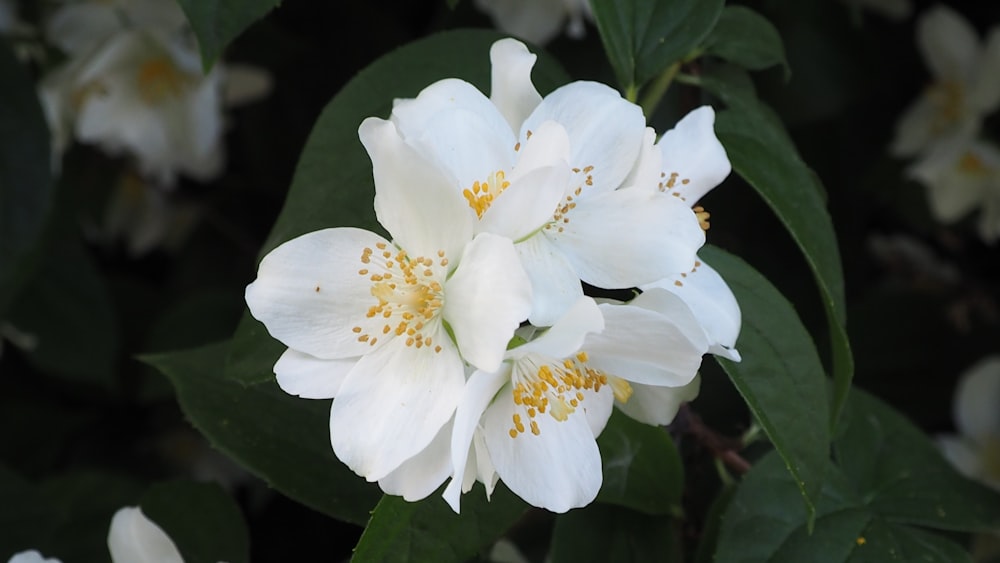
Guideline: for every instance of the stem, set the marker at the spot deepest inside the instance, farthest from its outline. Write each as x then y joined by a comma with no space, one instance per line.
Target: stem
631,93
724,476
658,88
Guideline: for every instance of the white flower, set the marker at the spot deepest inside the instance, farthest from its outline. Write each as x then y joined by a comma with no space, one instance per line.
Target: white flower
384,327
134,538
538,21
31,556
686,163
959,176
508,156
534,421
966,86
80,26
975,450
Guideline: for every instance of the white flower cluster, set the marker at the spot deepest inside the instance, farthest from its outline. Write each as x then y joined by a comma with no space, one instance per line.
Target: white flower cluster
942,130
463,347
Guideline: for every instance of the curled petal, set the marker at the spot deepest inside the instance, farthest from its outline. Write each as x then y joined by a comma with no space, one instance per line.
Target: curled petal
413,116
567,335
693,152
510,79
134,537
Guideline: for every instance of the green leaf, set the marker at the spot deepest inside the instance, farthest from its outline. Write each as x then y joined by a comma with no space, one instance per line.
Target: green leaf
602,532
217,22
333,185
644,37
744,37
729,83
642,468
282,439
202,520
401,531
26,187
780,377
68,313
883,485
762,153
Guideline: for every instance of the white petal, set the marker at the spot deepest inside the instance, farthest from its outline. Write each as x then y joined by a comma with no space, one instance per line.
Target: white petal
657,405
478,393
712,301
948,42
658,347
984,93
977,400
245,84
486,299
392,404
510,81
134,538
310,377
537,21
914,128
423,473
596,408
31,556
76,28
649,164
605,130
568,334
952,192
558,469
629,237
415,202
555,285
309,295
527,205
694,153
413,116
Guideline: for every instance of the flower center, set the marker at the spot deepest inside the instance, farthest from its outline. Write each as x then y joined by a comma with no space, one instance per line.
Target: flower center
159,79
408,292
972,165
481,195
547,385
947,96
560,218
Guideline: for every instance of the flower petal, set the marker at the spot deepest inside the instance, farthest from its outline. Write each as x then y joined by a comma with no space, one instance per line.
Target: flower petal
392,404
977,397
310,377
510,81
655,405
568,334
558,469
486,299
413,116
629,237
527,205
693,152
948,43
596,408
478,393
531,20
309,295
711,300
605,130
984,93
423,473
659,344
415,202
134,537
952,192
555,285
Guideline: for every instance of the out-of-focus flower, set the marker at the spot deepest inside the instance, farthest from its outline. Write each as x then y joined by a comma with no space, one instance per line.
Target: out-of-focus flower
371,322
538,416
145,216
79,26
587,223
959,176
965,87
975,450
538,21
134,538
893,9
31,556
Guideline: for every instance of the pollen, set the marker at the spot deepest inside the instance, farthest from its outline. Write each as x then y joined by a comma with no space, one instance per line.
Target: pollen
561,216
481,195
702,216
158,79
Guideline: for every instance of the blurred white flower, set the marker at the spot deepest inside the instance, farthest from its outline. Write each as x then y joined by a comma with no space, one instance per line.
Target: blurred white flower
134,538
81,25
534,422
975,450
965,88
31,556
961,175
538,21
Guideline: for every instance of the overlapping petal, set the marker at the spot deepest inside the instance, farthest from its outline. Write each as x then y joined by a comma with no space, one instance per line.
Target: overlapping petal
511,89
310,377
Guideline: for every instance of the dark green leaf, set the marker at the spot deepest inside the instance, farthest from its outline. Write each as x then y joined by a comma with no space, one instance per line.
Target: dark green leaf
780,377
333,184
201,519
430,531
24,518
868,503
68,313
217,22
282,439
644,37
764,156
642,469
602,532
729,83
25,178
746,38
